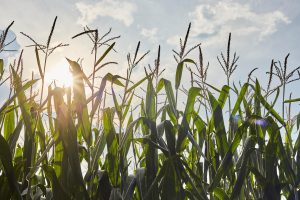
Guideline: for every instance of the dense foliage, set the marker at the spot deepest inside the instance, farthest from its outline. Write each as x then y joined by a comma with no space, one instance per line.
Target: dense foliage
152,149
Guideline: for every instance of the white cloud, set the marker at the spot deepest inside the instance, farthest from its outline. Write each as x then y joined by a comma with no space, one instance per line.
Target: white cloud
173,40
224,17
149,33
119,10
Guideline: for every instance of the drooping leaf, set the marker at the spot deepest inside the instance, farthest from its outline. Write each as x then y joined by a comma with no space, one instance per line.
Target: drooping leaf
179,71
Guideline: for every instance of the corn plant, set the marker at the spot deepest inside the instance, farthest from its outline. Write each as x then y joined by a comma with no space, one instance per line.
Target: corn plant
114,138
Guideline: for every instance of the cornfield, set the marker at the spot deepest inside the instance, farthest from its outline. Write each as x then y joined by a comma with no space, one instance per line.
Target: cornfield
234,142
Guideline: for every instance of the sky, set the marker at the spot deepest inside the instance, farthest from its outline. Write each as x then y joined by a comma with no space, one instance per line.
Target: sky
261,31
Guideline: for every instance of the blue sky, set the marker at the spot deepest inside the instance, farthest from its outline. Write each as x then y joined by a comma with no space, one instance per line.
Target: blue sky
261,31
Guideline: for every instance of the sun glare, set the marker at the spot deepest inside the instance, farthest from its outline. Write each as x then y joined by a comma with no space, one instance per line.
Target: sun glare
60,75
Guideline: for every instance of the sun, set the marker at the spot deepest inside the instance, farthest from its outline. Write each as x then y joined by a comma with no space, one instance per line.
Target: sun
60,75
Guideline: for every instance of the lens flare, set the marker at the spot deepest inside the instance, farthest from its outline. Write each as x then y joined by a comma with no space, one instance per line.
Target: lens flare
60,75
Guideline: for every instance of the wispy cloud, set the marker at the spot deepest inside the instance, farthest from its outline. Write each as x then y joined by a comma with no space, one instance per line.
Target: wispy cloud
151,33
223,17
119,10
173,40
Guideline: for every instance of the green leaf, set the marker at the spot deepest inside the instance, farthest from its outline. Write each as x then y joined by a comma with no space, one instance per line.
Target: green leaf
28,152
292,100
105,53
249,146
275,138
127,106
80,101
59,192
190,103
9,122
170,94
117,106
226,163
111,160
218,120
150,101
129,187
6,159
267,105
239,99
13,138
99,93
167,128
98,150
274,101
137,84
104,187
68,134
220,194
179,71
223,95
170,184
18,91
